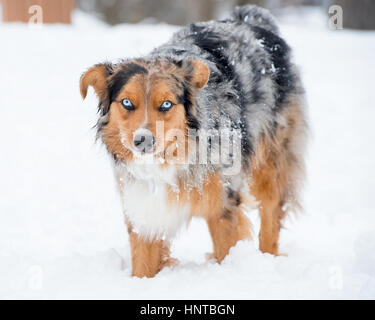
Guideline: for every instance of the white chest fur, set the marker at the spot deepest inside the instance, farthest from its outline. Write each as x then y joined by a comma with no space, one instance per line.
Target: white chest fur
144,193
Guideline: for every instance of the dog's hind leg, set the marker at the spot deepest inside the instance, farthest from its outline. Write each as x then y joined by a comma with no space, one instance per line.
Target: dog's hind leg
265,189
271,215
226,230
277,168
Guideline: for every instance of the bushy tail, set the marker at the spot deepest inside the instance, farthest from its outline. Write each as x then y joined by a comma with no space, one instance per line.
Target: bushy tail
255,16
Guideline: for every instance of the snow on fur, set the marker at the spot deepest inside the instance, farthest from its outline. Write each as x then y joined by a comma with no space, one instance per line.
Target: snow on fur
62,233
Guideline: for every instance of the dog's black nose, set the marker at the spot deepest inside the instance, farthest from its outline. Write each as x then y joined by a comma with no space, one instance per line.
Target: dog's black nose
144,142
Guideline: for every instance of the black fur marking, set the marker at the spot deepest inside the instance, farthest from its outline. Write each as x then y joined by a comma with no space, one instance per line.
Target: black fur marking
227,214
211,43
279,53
100,126
234,197
122,77
256,94
186,100
178,52
178,63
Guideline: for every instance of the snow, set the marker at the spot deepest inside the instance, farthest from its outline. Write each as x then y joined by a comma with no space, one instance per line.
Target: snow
62,233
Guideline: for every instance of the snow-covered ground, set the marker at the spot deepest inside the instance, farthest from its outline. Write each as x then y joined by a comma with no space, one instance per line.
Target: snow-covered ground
61,229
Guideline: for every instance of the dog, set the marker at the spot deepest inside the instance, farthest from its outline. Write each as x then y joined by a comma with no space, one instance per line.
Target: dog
207,124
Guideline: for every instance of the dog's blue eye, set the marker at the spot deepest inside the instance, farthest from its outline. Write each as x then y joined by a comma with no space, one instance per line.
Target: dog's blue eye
166,105
127,104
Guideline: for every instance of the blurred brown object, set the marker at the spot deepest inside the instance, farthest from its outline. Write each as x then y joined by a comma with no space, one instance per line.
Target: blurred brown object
53,11
177,12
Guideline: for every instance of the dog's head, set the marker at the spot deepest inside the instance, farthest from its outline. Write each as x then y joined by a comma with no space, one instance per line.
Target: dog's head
145,104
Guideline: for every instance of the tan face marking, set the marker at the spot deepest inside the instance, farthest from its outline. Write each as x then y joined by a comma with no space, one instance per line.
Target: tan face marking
159,81
147,93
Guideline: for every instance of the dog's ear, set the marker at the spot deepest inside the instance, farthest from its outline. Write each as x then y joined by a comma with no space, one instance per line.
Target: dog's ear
96,77
201,74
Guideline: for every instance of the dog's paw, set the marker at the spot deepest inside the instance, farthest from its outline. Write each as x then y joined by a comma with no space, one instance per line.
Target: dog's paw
210,257
281,255
171,263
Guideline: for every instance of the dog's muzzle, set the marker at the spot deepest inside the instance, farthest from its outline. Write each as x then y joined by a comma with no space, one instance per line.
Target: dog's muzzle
144,141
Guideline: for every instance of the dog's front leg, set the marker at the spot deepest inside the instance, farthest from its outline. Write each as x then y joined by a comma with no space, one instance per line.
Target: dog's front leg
148,256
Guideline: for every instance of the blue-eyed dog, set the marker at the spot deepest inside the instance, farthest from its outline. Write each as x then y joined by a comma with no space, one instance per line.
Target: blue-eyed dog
206,120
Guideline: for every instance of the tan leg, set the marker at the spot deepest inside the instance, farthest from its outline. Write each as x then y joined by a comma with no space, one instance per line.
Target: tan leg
266,190
226,230
270,224
268,185
148,257
277,168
